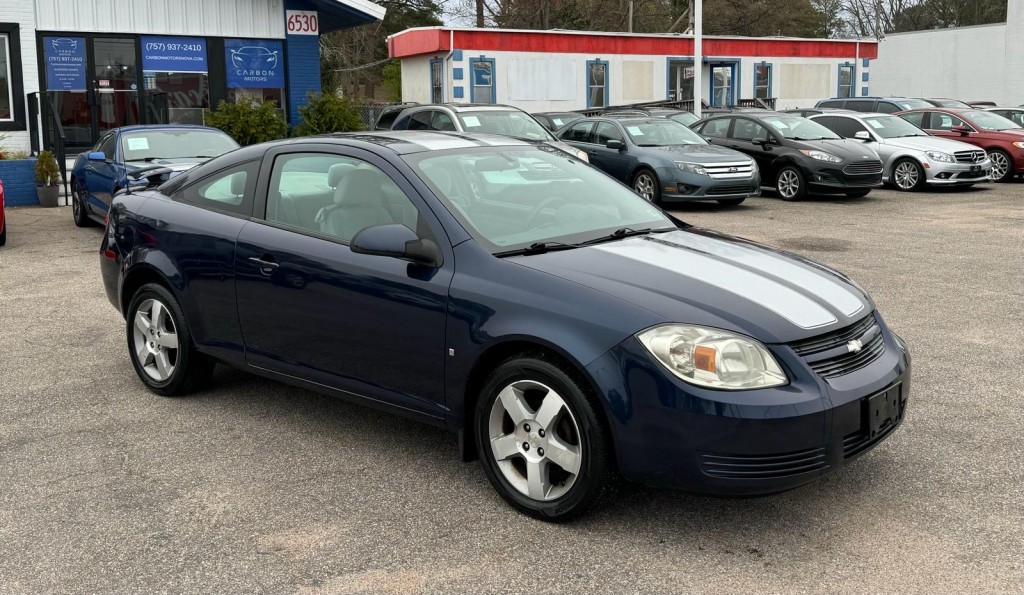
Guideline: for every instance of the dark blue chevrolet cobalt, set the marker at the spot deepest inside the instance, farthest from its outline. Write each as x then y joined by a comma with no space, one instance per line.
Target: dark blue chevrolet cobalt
569,331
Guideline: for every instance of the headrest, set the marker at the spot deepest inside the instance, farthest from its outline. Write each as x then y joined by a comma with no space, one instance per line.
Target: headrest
238,183
362,186
337,171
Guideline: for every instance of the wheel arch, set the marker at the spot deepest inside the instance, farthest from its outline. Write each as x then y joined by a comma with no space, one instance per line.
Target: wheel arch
506,349
138,276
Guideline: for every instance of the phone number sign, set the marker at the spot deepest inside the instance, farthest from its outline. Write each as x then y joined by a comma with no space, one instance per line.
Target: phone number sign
302,22
173,54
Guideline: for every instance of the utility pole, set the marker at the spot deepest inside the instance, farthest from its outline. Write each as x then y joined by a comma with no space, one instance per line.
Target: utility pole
480,13
698,53
630,16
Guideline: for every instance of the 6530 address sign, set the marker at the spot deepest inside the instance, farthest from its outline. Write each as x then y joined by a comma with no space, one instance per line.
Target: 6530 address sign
302,22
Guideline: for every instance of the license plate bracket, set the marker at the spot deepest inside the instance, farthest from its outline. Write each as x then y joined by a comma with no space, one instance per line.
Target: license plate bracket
882,411
975,169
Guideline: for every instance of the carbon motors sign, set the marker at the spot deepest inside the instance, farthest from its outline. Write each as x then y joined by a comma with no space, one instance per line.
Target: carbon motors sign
254,63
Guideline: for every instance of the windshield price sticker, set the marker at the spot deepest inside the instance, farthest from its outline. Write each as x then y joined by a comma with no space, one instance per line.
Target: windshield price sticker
140,143
302,22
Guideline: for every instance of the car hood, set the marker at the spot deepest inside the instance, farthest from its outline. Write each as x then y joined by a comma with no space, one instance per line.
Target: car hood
178,165
930,143
701,277
853,150
698,153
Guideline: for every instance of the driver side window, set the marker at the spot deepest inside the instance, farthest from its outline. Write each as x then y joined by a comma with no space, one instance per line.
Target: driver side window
748,130
942,121
106,146
607,131
579,133
716,128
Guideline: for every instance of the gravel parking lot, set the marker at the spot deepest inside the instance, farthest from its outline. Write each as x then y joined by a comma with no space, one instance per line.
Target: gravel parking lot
253,486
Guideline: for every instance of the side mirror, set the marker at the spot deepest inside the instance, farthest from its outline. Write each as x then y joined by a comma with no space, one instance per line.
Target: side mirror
759,141
961,129
397,241
863,135
97,156
615,144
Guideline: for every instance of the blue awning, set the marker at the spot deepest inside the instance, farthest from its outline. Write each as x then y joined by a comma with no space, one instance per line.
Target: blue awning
342,14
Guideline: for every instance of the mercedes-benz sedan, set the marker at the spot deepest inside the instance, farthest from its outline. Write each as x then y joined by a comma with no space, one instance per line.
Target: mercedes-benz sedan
567,330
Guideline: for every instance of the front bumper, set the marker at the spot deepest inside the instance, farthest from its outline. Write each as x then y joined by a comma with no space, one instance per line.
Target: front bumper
679,186
953,174
672,434
830,180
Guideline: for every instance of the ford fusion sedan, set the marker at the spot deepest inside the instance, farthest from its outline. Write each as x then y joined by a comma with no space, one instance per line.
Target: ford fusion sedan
98,174
566,329
1001,138
797,155
910,156
664,161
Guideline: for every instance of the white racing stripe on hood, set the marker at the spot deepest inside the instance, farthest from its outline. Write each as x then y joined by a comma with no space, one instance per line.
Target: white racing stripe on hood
786,302
827,289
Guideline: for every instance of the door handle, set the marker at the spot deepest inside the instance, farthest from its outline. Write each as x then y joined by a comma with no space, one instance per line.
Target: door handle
266,263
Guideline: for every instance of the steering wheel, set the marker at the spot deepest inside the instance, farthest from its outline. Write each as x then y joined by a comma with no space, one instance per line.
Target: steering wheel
547,202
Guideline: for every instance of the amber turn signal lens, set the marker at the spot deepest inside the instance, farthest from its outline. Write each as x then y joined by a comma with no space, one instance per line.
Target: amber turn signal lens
704,358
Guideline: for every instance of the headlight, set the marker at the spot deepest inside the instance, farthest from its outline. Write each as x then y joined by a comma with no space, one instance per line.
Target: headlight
693,168
1019,144
582,155
939,156
821,156
712,357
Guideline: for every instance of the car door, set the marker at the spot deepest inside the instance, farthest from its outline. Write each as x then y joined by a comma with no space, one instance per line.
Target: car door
101,176
580,135
312,308
716,131
615,162
744,132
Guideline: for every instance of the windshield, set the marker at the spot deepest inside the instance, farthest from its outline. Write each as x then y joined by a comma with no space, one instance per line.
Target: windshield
510,123
661,133
951,103
150,145
510,198
990,121
893,127
913,103
685,118
797,128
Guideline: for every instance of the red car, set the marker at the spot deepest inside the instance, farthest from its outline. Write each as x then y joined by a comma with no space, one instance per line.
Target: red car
3,220
1001,138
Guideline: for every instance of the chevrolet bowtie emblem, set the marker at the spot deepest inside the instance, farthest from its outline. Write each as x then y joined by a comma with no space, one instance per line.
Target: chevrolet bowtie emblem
854,346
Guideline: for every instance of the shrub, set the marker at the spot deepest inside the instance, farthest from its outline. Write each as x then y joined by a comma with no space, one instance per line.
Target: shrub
248,122
328,113
47,171
391,79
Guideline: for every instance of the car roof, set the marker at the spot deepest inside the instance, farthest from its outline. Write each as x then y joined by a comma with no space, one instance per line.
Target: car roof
144,127
476,107
853,114
557,114
405,142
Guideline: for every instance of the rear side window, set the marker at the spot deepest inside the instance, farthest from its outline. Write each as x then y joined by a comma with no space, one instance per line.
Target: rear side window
229,190
387,119
579,133
836,103
861,105
716,128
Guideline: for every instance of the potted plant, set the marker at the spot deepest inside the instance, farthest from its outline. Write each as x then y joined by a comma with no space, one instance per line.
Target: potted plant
47,178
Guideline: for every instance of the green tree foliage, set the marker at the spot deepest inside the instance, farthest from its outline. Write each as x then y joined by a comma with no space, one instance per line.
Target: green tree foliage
47,170
248,122
391,78
328,113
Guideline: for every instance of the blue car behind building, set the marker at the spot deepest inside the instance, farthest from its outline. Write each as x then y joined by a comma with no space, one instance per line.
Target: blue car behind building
568,330
99,173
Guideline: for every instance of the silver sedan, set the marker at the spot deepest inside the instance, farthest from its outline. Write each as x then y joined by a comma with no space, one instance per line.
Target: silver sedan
911,158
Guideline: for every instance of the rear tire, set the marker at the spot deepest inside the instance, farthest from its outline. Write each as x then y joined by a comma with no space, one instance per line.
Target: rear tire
908,175
731,202
160,344
789,183
1002,165
78,205
541,440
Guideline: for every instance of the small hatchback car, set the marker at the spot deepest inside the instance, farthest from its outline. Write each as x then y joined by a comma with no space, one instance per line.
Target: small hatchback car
568,330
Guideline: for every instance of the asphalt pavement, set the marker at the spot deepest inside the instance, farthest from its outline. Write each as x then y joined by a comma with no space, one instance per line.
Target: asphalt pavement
256,487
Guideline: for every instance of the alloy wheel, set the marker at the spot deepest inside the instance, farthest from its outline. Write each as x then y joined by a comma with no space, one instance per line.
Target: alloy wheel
76,200
906,175
535,440
644,186
155,340
999,166
788,184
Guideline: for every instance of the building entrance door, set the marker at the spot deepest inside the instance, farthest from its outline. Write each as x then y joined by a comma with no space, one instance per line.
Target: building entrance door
115,83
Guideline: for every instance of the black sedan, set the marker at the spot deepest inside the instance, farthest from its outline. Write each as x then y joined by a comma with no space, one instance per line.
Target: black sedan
568,331
663,160
797,155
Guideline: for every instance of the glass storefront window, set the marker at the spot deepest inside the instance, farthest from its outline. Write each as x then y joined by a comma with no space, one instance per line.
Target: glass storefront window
5,81
176,97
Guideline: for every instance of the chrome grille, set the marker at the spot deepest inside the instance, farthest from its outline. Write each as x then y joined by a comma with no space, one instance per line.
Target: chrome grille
868,166
738,169
969,156
844,351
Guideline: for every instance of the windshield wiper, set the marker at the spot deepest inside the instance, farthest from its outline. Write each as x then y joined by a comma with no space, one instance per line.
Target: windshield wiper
625,232
538,248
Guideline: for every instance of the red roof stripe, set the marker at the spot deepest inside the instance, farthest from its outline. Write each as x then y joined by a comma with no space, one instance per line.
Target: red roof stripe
415,42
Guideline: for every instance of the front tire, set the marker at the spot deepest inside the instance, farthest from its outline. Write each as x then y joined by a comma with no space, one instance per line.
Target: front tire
789,183
1002,165
908,175
541,441
78,205
160,344
645,183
